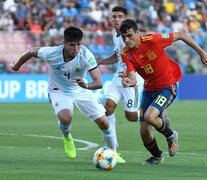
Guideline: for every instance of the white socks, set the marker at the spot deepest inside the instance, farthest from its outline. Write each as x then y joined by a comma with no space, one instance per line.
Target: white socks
109,138
112,122
65,129
138,112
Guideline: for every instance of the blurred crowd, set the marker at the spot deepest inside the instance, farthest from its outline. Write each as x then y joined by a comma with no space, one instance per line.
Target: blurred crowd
53,16
93,15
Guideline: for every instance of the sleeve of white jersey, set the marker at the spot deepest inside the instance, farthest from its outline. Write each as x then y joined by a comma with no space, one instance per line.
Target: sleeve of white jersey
42,53
90,61
114,37
49,54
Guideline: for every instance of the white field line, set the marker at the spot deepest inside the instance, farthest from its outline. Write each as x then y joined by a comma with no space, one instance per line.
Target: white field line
182,153
90,145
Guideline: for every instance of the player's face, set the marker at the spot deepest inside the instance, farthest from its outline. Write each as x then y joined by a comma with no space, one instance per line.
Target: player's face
117,18
131,39
72,48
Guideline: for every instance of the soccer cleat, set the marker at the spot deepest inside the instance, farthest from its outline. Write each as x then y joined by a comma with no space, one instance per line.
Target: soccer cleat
166,119
119,159
173,143
154,160
69,146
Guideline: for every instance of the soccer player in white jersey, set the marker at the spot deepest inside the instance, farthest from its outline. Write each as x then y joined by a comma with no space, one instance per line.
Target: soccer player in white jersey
116,92
68,65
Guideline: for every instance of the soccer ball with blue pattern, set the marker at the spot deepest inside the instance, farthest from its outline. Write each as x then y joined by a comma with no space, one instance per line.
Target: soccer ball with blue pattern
104,158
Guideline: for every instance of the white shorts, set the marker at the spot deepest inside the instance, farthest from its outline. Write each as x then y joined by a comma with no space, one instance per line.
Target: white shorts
87,103
131,95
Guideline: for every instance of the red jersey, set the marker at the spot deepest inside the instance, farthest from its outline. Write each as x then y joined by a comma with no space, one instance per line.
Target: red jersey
151,61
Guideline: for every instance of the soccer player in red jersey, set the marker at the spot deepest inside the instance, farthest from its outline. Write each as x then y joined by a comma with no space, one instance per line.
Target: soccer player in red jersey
146,55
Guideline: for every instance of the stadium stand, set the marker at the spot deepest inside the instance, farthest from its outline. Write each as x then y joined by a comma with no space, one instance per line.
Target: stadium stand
28,23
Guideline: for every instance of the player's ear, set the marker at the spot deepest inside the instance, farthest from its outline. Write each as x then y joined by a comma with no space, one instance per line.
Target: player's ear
137,32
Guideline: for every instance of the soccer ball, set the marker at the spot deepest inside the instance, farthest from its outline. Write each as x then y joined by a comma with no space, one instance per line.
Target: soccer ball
104,158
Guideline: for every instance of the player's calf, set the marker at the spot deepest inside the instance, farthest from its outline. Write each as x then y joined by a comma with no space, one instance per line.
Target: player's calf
166,119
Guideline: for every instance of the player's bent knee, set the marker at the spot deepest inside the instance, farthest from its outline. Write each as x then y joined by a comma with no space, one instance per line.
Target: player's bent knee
102,123
110,106
65,117
131,116
149,118
65,120
109,110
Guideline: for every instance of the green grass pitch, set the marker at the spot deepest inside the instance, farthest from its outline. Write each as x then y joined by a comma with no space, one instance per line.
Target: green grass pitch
31,148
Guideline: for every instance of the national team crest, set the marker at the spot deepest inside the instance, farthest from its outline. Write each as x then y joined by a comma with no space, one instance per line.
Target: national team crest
77,69
141,56
151,55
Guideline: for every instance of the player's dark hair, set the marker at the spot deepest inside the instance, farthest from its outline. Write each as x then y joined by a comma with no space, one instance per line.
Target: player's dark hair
120,9
73,34
128,24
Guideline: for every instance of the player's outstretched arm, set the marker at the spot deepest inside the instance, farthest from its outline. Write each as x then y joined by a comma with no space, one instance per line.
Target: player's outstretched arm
189,41
110,60
24,58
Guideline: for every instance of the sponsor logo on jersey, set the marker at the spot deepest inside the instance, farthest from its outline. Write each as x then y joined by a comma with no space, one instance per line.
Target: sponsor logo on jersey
92,61
165,35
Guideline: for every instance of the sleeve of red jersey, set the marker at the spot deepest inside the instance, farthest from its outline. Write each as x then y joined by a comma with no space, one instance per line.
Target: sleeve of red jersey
128,63
163,40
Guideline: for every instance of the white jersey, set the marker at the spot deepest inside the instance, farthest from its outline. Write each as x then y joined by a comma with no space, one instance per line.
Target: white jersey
118,46
61,73
116,91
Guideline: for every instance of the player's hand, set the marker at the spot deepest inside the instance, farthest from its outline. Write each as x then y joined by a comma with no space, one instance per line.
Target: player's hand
204,59
122,74
14,67
80,82
126,81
